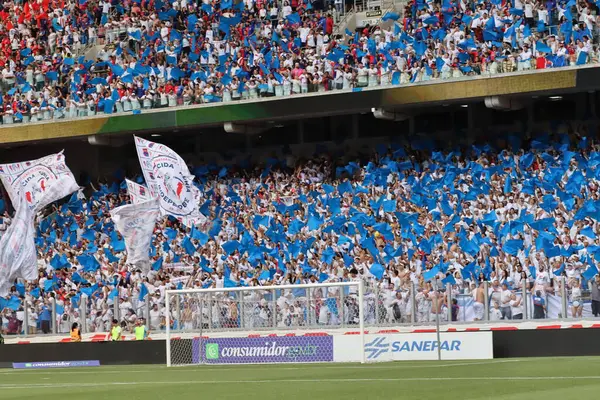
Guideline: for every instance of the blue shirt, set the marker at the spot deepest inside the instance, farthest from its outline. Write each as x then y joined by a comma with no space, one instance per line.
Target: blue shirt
45,314
538,301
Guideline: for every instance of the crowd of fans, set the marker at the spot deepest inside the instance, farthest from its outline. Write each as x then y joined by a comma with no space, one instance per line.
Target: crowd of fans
161,54
399,219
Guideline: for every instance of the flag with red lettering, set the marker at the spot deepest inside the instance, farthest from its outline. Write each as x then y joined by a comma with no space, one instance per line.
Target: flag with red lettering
169,179
36,181
31,186
18,258
137,193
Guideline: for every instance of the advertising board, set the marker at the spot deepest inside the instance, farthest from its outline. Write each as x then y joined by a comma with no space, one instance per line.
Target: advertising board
276,349
415,346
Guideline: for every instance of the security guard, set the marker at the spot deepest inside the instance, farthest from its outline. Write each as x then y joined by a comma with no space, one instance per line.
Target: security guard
140,330
115,331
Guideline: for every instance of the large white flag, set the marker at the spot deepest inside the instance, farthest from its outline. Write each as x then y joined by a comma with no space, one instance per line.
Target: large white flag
169,179
17,248
37,179
137,193
31,185
135,222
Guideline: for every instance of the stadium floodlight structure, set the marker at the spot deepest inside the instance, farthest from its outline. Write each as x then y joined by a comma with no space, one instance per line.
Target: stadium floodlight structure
261,324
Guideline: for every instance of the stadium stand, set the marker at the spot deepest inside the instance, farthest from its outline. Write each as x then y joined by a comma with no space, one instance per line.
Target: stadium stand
405,219
153,54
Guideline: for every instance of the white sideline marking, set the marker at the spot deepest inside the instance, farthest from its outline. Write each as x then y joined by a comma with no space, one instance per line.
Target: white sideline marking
206,367
346,380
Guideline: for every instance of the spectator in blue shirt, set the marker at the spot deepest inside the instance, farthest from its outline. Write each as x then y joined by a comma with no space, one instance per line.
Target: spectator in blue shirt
539,306
45,318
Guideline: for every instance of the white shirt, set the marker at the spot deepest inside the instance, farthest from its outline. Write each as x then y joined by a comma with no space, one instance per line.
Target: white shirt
495,314
516,309
505,298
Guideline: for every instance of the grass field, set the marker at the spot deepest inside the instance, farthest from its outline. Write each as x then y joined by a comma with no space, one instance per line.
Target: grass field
531,378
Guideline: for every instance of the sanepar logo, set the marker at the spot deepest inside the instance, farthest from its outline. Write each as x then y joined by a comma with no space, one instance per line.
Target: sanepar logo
376,348
380,346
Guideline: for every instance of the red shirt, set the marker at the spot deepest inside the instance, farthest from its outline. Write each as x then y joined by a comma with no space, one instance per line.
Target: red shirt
540,63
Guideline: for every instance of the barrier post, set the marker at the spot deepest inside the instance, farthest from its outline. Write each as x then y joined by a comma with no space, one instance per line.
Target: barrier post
210,307
525,300
25,317
53,310
242,312
341,308
116,309
413,303
308,306
563,295
274,306
83,312
449,299
147,312
486,301
376,293
178,313
437,319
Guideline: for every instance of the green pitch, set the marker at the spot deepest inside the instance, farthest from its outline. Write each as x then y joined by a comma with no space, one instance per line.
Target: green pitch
528,378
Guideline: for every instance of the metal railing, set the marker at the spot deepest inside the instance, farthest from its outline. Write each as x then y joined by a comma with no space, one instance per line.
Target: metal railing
359,81
315,308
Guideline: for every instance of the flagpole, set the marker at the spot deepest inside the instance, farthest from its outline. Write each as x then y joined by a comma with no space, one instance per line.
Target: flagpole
437,318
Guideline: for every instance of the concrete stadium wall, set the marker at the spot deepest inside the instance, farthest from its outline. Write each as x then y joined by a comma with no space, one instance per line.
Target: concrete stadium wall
108,353
547,343
507,344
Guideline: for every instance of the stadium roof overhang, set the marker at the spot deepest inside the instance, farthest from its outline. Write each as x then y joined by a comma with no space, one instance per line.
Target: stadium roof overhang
398,98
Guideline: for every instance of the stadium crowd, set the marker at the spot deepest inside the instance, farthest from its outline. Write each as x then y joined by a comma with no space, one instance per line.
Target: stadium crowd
162,54
402,216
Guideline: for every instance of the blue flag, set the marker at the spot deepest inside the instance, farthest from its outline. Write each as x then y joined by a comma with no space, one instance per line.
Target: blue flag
449,279
188,246
157,264
430,274
395,17
590,273
512,247
143,292
114,293
377,270
230,246
293,18
582,58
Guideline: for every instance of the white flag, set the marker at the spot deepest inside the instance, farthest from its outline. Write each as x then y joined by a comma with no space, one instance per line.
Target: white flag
37,179
169,179
17,249
137,193
31,186
135,222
